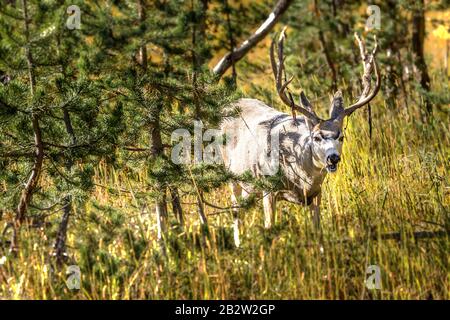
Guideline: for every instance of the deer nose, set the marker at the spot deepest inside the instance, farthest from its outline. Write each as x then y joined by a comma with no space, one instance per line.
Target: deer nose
333,158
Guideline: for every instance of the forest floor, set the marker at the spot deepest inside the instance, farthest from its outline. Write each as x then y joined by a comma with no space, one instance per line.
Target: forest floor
396,181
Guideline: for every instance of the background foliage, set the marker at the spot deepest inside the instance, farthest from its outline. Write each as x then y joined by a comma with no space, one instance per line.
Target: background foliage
107,98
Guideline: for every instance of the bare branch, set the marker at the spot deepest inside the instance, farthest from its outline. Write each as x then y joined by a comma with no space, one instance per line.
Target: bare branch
232,57
15,154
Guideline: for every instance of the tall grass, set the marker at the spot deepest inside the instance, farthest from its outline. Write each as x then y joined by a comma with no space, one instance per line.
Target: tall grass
397,181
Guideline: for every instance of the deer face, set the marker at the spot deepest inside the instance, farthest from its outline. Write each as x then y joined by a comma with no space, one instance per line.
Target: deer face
327,136
326,144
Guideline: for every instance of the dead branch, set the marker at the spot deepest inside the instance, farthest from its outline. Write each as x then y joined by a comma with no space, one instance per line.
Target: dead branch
232,57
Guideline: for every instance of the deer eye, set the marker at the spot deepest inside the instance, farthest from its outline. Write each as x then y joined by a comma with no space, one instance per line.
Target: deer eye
317,139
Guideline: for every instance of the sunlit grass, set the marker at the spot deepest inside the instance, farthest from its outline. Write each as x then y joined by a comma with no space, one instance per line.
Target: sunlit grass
396,182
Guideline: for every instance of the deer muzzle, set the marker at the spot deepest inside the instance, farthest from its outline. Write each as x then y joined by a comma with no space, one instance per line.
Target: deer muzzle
332,162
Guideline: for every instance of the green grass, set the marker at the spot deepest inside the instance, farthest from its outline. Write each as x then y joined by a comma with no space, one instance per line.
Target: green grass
396,182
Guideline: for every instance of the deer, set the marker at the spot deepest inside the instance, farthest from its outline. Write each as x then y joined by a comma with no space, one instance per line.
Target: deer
308,147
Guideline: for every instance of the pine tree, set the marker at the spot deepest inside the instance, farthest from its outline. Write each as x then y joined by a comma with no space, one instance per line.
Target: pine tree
52,114
163,90
112,91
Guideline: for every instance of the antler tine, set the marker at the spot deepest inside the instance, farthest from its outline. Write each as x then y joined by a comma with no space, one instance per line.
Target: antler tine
272,59
361,45
282,72
281,58
369,63
278,69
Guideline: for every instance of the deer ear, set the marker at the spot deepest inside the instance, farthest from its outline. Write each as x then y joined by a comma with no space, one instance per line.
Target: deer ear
337,105
304,102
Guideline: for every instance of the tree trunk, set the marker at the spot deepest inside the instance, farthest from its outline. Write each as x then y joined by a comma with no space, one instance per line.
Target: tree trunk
143,49
195,68
161,215
30,186
231,41
59,249
201,209
392,50
326,50
402,81
176,205
156,148
418,37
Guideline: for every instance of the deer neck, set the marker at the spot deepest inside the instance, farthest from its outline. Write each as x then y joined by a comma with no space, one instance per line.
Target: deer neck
304,174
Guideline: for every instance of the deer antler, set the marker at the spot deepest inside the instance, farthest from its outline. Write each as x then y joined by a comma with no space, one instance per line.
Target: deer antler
369,64
278,72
